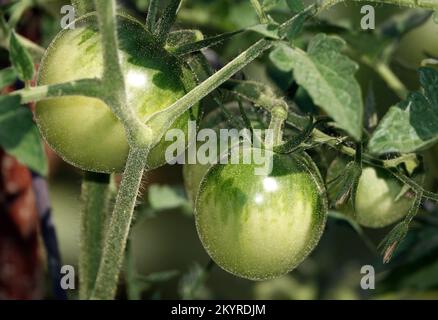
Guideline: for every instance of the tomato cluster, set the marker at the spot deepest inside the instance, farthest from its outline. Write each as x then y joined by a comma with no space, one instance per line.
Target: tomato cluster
254,226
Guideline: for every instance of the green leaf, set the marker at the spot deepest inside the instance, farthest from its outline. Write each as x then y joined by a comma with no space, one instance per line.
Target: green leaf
19,135
20,58
182,37
412,125
328,77
166,197
269,30
7,77
152,15
166,21
295,5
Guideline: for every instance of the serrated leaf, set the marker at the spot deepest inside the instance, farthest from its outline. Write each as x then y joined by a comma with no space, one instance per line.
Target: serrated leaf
328,77
19,135
413,124
20,58
7,77
295,5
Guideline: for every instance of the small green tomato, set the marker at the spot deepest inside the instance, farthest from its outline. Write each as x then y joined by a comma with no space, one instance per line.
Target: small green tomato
261,227
378,200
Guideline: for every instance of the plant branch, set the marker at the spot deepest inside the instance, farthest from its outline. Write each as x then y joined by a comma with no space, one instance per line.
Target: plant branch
85,87
259,10
278,117
113,81
95,191
162,120
424,4
118,229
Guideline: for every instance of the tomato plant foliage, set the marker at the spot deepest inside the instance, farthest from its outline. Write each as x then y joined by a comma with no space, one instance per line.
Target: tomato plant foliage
109,89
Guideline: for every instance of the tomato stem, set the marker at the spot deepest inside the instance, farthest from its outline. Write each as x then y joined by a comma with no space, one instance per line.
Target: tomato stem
84,87
161,121
424,4
278,117
96,191
118,229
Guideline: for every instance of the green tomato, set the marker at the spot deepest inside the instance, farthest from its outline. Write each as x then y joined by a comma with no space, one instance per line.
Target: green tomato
83,130
378,201
261,227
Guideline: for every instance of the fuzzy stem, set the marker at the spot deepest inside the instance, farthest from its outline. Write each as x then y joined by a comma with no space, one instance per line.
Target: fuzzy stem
391,80
113,80
278,117
118,229
95,191
259,10
161,121
424,4
84,87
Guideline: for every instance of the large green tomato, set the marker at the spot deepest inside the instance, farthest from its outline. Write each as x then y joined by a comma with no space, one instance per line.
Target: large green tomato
377,199
261,227
83,130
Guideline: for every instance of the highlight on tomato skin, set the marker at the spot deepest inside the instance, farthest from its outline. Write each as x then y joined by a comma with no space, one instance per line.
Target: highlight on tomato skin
83,130
260,227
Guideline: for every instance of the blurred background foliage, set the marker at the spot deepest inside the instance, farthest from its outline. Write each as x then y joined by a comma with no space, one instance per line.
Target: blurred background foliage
165,253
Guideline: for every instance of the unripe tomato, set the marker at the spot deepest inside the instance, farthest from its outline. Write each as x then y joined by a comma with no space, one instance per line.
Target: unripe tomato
261,227
377,202
83,130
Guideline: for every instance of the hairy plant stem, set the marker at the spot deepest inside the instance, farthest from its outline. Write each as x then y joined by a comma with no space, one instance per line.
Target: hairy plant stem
391,80
161,121
85,87
424,4
95,197
118,229
278,117
259,10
